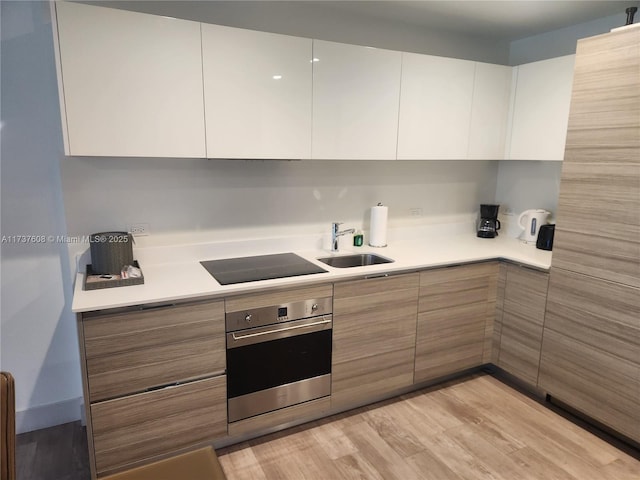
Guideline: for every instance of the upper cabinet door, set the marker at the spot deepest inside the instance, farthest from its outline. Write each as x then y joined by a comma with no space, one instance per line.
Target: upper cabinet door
489,111
132,83
257,93
435,107
540,112
356,92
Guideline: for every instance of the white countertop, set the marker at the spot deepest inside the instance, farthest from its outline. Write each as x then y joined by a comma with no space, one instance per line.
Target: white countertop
174,273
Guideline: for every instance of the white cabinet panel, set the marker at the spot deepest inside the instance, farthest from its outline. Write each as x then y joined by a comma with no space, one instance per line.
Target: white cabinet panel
435,107
540,112
489,111
356,93
132,83
257,93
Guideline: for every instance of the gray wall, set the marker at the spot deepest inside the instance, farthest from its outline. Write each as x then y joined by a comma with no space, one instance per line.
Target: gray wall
323,21
38,341
560,42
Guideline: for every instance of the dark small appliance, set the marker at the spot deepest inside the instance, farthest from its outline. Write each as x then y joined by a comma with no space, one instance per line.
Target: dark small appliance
489,224
545,237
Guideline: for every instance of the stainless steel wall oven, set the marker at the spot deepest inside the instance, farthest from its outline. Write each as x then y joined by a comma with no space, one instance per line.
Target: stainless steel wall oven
278,356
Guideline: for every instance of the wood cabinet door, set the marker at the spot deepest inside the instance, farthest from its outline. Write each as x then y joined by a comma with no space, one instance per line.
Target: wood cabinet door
356,92
374,332
257,93
590,351
525,297
131,352
598,225
604,121
435,107
131,83
598,221
540,110
454,307
140,427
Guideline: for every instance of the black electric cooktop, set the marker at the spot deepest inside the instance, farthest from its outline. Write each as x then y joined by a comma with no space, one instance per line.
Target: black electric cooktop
263,267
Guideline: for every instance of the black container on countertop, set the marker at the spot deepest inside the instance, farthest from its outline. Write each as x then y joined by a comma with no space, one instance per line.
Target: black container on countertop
545,237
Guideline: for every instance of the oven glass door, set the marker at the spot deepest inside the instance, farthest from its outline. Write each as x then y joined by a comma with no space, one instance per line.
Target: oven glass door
271,363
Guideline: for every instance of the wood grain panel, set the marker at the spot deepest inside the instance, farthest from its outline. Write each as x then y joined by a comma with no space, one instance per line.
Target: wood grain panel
490,323
597,383
275,297
374,328
598,313
499,312
598,228
449,341
454,308
604,121
525,299
131,352
142,426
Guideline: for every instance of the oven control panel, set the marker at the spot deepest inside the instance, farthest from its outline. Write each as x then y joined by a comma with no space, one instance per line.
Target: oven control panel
258,317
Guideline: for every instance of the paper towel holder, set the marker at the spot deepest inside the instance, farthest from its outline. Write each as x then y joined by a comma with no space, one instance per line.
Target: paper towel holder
378,226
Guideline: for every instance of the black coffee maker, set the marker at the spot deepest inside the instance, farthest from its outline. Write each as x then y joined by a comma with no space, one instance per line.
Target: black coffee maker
489,224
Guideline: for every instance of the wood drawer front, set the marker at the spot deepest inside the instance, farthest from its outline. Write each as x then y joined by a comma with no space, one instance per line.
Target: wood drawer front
525,299
374,327
266,299
139,427
595,312
449,341
131,352
599,384
598,229
444,288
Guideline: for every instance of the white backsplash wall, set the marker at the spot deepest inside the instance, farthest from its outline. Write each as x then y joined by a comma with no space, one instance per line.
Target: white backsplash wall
185,195
523,185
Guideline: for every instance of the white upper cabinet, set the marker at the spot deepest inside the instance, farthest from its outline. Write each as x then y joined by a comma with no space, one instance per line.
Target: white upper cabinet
257,94
356,92
540,110
131,83
435,107
489,112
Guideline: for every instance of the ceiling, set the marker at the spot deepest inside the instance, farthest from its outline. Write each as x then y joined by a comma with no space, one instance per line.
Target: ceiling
503,21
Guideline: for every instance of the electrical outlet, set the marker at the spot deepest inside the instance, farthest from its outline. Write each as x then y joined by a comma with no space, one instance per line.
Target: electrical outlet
139,229
415,212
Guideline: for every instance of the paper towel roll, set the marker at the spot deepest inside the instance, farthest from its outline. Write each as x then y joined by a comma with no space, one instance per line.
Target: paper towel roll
378,233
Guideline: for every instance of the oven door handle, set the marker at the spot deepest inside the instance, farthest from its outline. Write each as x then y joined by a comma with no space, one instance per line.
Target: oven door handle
278,332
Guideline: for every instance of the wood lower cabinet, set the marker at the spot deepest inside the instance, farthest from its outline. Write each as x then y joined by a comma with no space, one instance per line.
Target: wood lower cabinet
138,427
374,333
131,352
523,306
455,306
153,380
590,353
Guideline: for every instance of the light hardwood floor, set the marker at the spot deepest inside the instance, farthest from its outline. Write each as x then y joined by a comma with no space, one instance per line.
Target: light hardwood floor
475,428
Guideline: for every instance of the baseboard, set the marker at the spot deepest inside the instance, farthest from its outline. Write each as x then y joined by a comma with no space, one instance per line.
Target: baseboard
48,415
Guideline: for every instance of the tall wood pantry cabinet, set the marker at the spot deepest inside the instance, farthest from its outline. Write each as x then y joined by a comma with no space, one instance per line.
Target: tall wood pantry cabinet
591,342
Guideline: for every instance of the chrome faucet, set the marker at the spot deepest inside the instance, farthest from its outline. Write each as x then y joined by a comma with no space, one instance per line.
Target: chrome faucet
335,234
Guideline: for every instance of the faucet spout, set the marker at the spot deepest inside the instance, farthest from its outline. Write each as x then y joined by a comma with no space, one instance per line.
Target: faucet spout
335,233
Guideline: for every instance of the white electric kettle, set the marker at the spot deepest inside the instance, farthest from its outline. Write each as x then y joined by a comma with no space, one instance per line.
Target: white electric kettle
530,221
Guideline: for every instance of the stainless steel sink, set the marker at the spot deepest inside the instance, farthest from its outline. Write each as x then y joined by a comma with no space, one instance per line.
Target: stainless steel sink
356,260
